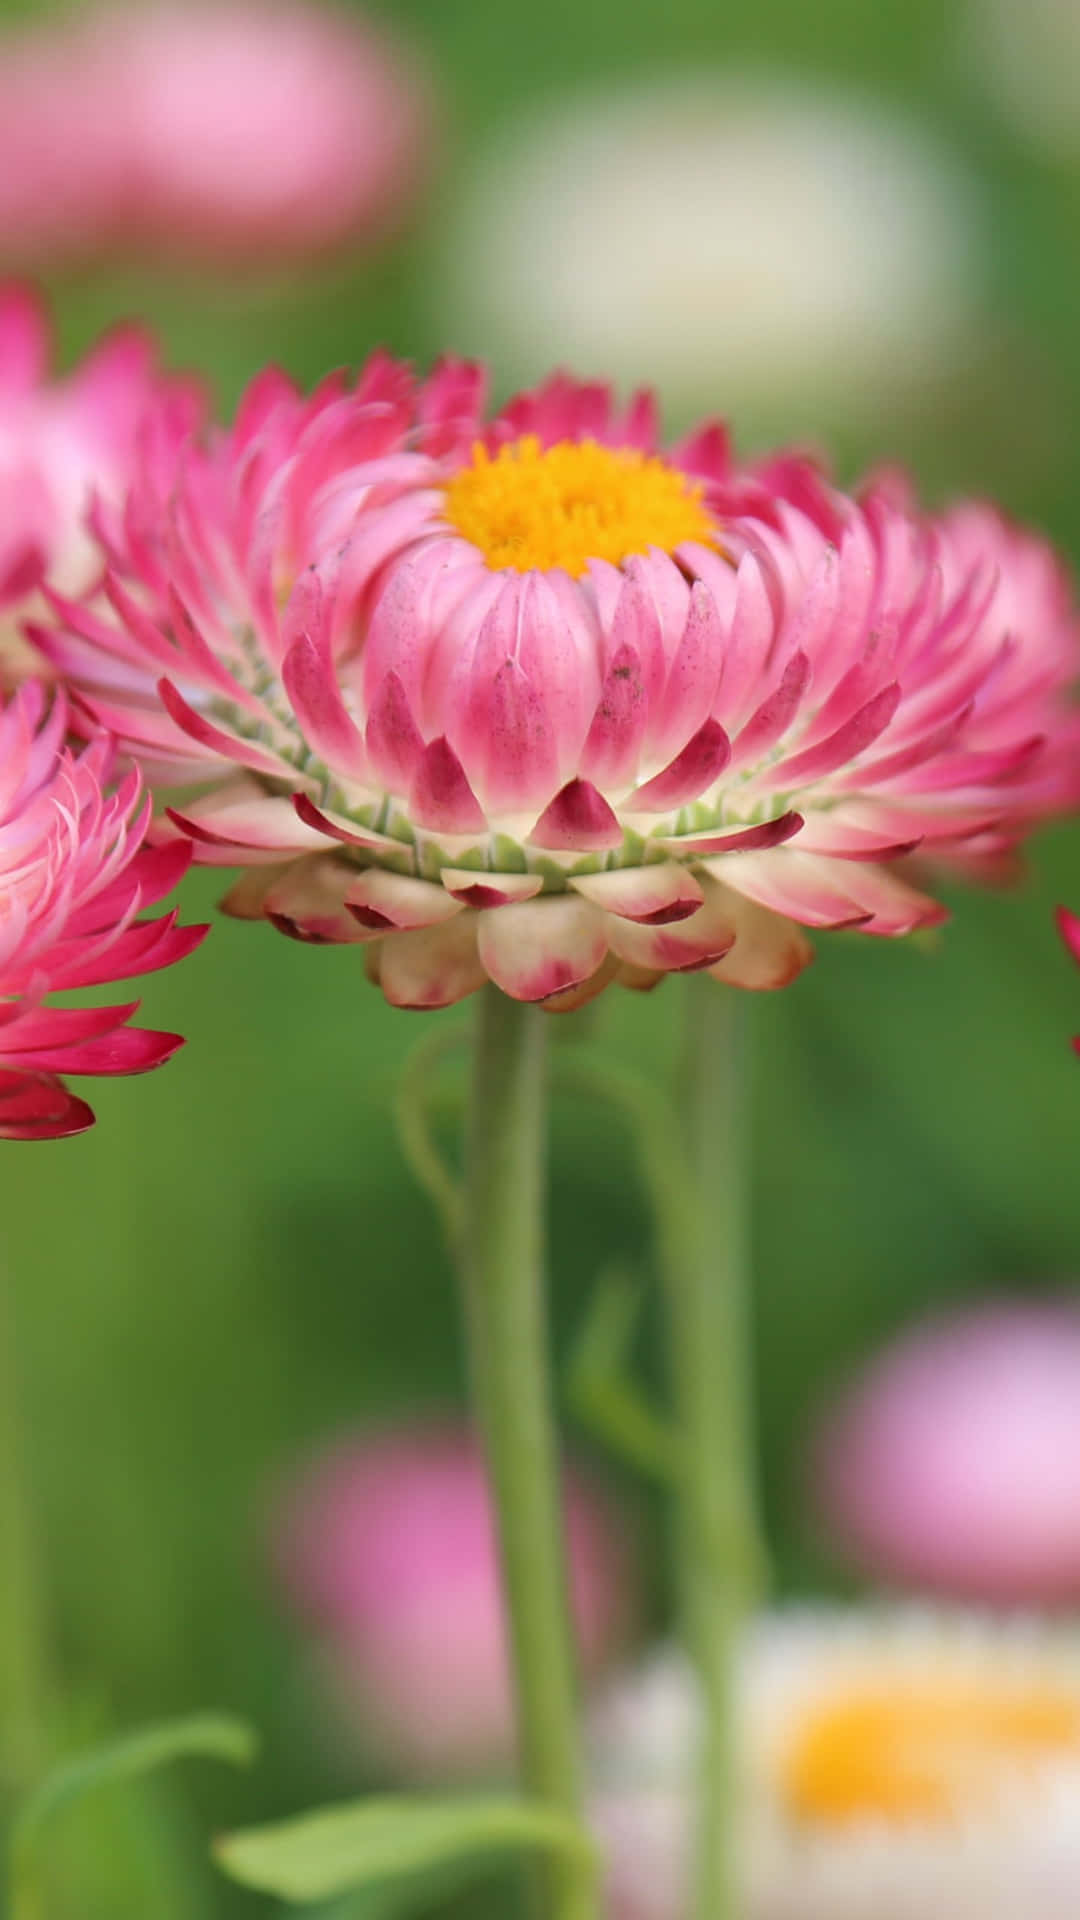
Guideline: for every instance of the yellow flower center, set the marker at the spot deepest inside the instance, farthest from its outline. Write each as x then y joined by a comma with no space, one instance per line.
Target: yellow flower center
565,505
925,1751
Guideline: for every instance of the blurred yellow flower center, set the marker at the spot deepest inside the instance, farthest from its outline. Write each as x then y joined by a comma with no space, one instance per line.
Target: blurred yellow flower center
562,506
925,1751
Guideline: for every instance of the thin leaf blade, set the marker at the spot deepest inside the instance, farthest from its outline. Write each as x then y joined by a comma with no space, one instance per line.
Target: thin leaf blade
339,1850
208,1736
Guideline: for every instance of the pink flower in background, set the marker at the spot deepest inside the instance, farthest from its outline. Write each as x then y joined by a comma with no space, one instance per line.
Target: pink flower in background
251,129
384,1547
953,1462
67,447
535,701
1069,928
74,877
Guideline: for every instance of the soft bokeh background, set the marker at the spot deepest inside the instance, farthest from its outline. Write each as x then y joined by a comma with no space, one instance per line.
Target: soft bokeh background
235,1263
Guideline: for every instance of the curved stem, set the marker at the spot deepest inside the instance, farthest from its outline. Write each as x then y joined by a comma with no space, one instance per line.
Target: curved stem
504,1281
721,1560
412,1112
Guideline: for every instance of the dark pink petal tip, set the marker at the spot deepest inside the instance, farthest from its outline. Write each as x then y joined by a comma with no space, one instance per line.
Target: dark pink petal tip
578,820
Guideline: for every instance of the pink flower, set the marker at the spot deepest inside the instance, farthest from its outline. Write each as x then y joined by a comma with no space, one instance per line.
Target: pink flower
74,877
255,128
384,1547
953,1463
67,447
1069,929
532,701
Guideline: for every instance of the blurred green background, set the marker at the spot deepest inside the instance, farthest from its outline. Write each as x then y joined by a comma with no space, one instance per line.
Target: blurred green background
235,1264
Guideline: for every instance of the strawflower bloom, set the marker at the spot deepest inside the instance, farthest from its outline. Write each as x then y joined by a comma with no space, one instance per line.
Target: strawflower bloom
384,1547
534,701
258,131
804,247
68,448
893,1764
1069,928
952,1463
76,877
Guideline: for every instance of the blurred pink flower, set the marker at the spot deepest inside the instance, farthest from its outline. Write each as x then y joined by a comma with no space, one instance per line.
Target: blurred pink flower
74,876
251,128
68,448
384,1547
530,700
1069,928
953,1463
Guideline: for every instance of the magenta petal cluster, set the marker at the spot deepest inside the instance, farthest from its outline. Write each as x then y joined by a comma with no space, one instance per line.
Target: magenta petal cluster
384,1547
531,700
223,130
952,1463
75,877
68,446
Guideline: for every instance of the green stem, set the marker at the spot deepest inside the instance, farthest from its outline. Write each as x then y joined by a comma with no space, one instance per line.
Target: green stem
24,1695
504,1262
721,1561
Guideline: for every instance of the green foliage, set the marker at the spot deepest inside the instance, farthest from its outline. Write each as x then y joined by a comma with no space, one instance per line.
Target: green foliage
208,1736
399,1840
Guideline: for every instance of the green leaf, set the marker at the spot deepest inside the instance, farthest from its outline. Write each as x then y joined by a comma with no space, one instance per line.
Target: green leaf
211,1736
340,1849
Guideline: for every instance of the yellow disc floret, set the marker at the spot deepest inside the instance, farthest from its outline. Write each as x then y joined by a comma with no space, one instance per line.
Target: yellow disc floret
926,1751
562,506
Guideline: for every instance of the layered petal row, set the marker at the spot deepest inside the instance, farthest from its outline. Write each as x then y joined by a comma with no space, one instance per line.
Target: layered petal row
528,699
75,878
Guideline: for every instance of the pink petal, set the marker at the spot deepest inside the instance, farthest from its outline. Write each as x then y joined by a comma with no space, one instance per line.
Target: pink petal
688,947
307,902
227,746
40,1108
614,739
346,831
840,748
393,740
579,820
769,951
382,901
57,1026
441,798
695,770
775,714
129,1050
542,947
485,890
433,967
654,896
24,340
771,833
311,684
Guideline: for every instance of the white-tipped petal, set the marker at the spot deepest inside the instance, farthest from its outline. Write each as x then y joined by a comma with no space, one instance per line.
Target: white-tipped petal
542,947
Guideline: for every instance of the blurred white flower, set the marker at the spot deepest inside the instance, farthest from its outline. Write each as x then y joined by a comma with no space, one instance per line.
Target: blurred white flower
788,249
1025,55
897,1764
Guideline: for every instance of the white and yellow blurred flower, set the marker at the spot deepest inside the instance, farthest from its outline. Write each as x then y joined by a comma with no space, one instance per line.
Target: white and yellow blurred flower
896,1764
801,250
